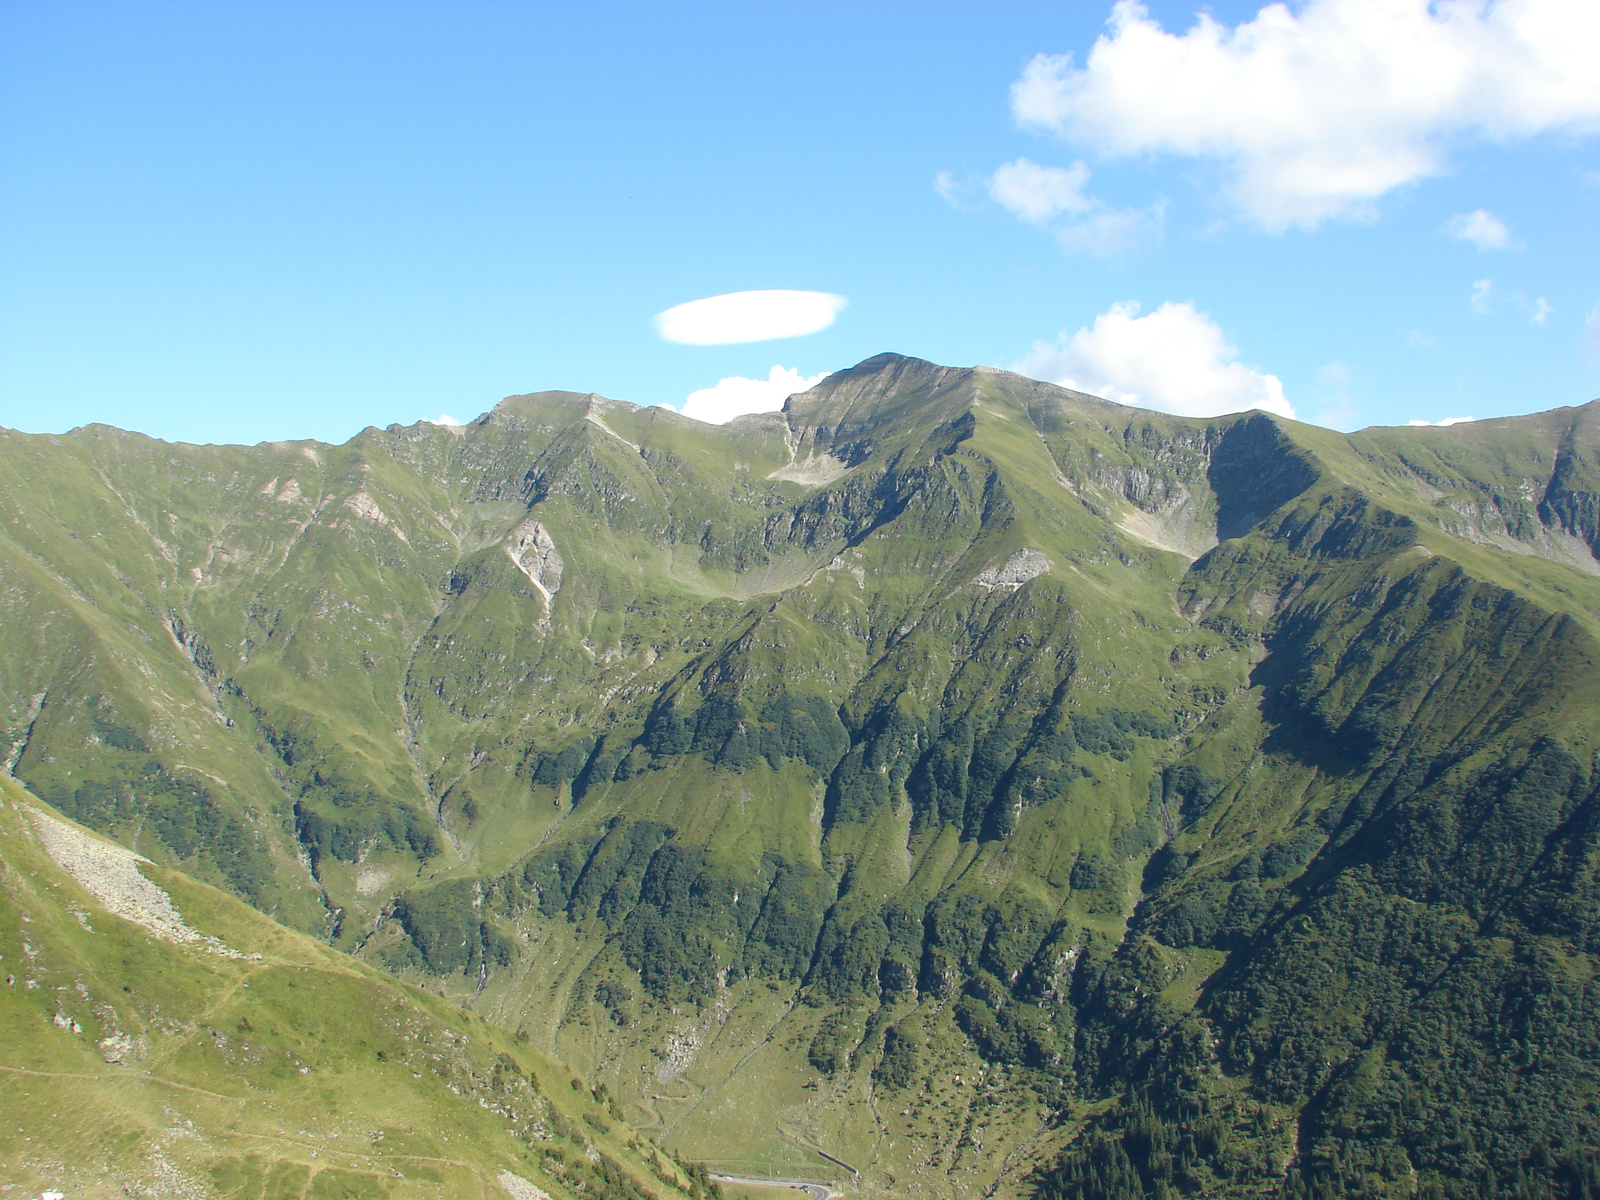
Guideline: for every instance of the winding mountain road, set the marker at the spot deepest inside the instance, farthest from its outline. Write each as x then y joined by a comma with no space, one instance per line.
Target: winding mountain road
813,1190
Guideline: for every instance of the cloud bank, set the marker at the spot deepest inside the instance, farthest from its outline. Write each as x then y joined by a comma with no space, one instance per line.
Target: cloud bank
736,395
1318,111
1175,359
748,317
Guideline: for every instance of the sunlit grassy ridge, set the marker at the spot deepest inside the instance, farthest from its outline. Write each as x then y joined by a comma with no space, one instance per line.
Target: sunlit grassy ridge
262,1063
1181,786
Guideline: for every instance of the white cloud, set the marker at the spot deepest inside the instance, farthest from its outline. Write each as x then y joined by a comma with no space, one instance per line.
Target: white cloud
957,193
1482,295
1541,310
1037,193
1318,111
1111,232
1446,422
442,419
1480,227
736,395
748,317
1175,359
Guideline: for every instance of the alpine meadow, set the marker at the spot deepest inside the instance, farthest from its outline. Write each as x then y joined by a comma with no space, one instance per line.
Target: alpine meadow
951,785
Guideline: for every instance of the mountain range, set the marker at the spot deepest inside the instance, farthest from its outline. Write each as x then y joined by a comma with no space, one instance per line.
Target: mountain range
951,784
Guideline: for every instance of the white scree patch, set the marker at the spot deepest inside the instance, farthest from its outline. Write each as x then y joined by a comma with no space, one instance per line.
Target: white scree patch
110,873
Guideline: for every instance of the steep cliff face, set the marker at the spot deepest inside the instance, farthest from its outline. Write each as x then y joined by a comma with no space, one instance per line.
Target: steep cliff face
944,772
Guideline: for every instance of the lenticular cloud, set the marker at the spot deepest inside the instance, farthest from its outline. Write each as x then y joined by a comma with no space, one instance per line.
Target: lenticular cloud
748,317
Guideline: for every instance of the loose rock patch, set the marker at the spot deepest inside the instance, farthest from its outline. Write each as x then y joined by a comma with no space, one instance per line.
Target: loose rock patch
110,873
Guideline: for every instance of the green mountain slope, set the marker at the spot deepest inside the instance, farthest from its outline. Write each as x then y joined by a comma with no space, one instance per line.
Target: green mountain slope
959,778
162,1039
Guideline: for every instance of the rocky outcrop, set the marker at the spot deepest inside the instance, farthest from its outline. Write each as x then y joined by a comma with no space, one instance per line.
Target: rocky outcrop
520,1189
1017,570
534,551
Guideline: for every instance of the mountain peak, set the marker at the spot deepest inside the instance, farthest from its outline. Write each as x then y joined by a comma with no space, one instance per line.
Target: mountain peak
886,389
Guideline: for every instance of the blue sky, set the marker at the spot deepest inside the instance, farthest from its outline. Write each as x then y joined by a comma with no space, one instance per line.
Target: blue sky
240,222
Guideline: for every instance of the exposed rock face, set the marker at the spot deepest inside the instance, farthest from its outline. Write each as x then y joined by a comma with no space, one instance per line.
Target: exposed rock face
534,551
1023,565
817,470
365,507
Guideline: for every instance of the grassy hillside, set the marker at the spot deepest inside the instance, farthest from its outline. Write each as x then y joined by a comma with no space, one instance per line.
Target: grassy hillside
951,783
176,1043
